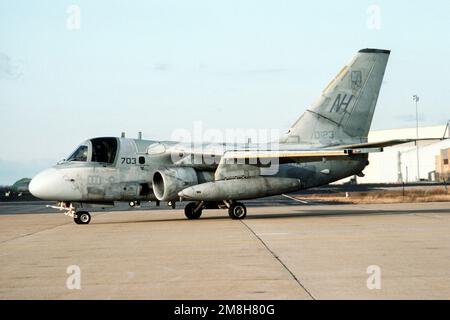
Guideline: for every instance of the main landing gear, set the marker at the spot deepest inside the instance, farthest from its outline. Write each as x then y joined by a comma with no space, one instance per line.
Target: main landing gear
236,210
193,210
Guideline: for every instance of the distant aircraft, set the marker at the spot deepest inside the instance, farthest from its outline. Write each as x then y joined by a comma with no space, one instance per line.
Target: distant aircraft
20,187
327,143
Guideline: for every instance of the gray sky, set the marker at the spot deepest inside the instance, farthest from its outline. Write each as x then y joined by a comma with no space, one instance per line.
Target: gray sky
68,73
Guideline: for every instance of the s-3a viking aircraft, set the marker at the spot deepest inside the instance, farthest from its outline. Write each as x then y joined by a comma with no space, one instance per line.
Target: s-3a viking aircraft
327,143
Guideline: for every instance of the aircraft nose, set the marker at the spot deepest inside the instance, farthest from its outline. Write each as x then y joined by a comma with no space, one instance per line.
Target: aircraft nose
51,185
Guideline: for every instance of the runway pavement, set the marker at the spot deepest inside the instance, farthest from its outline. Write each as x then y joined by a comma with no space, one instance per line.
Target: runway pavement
278,252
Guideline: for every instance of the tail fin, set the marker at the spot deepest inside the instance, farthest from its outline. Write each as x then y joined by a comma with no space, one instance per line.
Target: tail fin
343,112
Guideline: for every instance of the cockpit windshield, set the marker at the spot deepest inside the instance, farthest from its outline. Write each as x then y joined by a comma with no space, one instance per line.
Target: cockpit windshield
80,154
104,150
101,150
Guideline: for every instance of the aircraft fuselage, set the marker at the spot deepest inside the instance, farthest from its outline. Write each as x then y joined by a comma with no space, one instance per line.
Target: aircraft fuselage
129,177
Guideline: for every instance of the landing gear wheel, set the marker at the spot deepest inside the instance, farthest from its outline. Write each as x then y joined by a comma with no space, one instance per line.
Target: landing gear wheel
189,211
82,217
237,211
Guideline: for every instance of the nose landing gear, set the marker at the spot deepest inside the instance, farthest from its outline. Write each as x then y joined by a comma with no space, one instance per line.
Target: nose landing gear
82,217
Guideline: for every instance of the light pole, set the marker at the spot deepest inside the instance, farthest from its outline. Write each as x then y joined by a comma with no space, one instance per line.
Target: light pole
416,100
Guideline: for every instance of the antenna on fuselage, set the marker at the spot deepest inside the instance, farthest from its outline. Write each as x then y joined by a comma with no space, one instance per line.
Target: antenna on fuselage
139,135
122,135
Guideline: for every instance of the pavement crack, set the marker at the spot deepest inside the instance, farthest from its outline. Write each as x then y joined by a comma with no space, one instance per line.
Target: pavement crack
32,233
426,216
279,260
38,231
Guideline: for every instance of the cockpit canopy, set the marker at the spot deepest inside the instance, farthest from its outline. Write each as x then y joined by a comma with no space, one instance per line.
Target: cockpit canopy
101,150
80,154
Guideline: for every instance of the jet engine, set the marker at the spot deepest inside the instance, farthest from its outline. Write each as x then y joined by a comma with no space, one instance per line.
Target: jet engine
169,181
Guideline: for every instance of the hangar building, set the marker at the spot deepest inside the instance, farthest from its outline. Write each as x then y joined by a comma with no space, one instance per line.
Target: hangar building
398,164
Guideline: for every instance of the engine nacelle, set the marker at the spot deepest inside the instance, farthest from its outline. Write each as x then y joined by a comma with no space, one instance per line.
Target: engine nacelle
168,182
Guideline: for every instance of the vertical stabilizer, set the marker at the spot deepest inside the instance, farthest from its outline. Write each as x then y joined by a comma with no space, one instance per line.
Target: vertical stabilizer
344,110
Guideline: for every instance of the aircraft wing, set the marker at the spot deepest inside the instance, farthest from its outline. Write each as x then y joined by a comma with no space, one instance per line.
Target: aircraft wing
249,163
248,155
382,144
265,157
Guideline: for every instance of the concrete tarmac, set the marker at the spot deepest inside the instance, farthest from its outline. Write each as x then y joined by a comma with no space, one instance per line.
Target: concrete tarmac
277,252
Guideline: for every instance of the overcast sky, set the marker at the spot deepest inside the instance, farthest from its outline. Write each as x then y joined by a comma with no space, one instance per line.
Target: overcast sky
156,66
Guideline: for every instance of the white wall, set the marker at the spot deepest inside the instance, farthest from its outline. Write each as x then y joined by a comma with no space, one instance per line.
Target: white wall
427,159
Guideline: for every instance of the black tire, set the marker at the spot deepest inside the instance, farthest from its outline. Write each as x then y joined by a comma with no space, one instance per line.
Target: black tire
237,211
189,211
83,217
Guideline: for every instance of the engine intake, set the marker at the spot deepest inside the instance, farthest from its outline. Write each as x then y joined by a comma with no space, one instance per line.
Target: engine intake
168,182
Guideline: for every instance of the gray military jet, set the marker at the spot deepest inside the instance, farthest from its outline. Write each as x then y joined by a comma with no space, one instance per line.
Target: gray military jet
327,143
